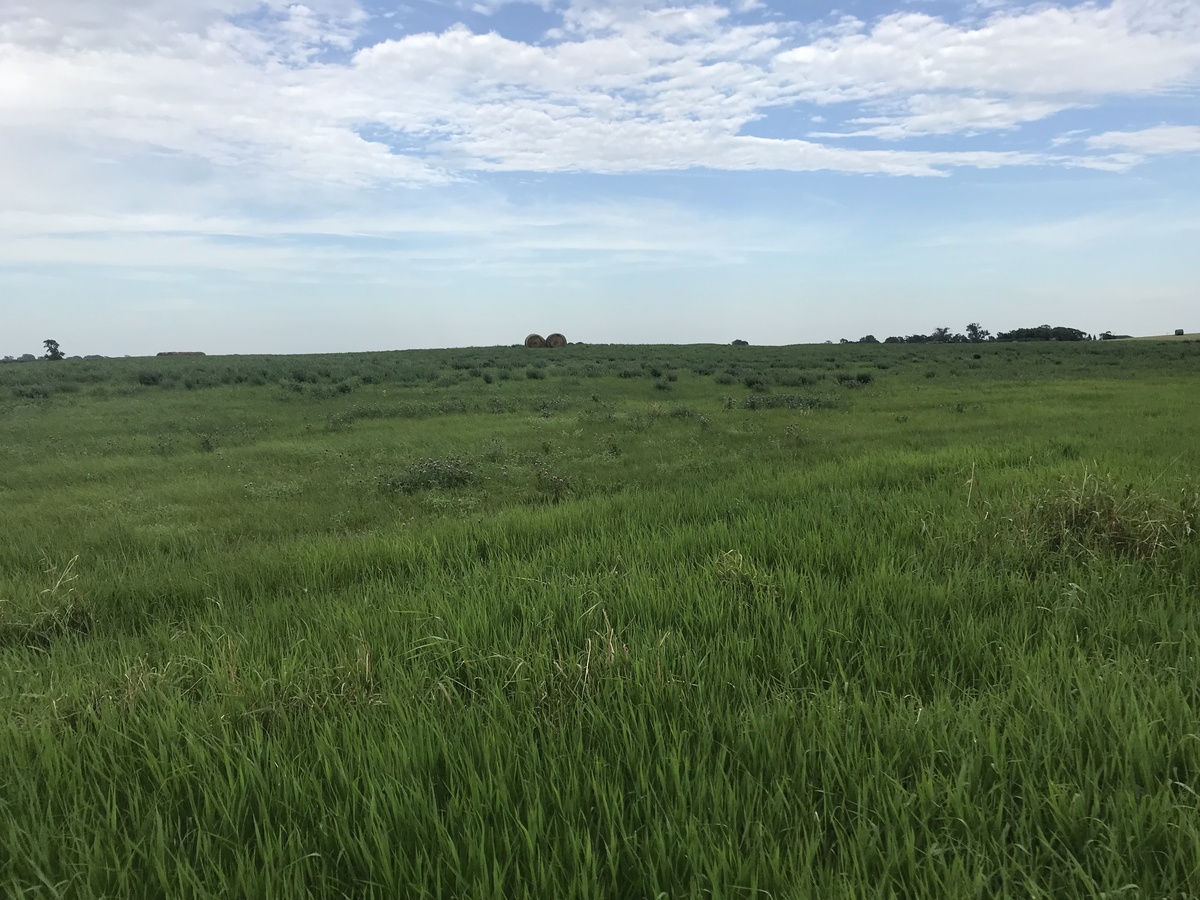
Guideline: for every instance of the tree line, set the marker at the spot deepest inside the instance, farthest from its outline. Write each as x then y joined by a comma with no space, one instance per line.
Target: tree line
977,334
53,352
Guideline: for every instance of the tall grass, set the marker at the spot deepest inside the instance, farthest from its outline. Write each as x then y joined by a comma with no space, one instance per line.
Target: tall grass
907,641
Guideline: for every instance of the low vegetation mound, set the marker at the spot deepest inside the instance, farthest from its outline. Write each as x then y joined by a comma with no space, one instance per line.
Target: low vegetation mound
1095,516
426,474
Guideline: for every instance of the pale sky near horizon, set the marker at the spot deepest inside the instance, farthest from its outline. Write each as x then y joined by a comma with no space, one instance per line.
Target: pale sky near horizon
241,176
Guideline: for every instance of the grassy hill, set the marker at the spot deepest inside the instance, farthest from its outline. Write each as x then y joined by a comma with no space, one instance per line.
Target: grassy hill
1172,337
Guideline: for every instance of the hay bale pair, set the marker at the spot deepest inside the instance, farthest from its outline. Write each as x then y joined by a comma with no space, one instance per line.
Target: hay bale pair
554,340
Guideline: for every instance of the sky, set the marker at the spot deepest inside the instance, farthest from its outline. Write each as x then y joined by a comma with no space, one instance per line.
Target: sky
266,176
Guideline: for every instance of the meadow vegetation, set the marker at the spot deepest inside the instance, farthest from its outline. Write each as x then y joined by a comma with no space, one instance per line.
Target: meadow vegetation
836,621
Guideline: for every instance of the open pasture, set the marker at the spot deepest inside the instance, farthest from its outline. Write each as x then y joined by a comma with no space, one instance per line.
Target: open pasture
831,621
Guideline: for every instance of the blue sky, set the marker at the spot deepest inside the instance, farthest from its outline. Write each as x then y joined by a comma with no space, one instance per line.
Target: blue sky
242,176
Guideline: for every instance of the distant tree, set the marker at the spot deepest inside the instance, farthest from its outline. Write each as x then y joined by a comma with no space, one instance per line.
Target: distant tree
741,343
869,339
1043,333
843,340
52,351
893,340
1067,334
976,334
26,357
917,339
940,336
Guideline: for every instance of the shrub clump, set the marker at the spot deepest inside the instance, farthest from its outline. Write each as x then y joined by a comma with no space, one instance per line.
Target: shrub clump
553,486
787,401
1096,517
860,379
72,620
427,473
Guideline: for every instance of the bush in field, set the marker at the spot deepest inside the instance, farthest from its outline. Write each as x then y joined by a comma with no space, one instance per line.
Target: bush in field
426,473
860,379
784,401
32,392
553,486
1094,516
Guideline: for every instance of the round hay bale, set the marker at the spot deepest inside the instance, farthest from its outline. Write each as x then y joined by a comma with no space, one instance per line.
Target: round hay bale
556,340
535,340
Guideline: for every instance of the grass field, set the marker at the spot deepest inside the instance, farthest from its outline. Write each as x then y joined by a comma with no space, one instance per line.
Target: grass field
731,622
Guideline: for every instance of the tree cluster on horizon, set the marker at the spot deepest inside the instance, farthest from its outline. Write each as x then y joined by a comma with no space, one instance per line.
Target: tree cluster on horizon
976,334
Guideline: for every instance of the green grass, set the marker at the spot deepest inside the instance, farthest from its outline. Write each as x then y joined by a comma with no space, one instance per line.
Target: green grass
821,621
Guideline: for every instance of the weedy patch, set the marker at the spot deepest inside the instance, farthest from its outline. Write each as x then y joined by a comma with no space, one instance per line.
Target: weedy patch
496,450
554,486
339,421
1094,517
428,473
787,401
797,433
606,652
63,613
860,379
734,569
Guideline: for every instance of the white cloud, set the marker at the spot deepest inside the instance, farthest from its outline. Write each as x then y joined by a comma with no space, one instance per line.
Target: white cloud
264,95
490,7
924,114
164,26
1085,50
1150,141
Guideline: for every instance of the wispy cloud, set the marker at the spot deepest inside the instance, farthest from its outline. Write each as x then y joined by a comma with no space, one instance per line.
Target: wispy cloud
1053,234
1164,139
354,244
938,114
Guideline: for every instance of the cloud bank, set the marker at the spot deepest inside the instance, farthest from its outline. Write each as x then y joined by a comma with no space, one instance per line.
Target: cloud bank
286,93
